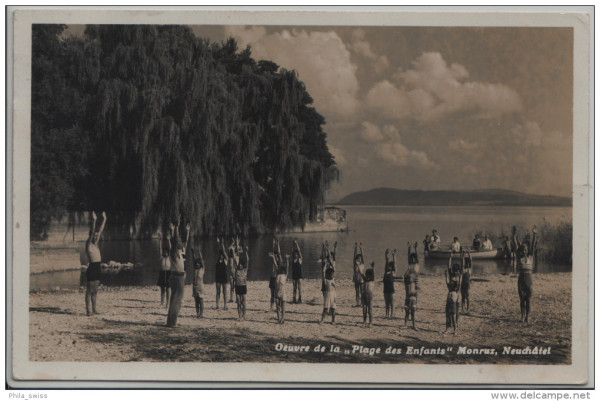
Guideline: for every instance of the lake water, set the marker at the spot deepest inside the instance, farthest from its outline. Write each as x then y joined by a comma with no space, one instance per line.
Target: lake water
377,228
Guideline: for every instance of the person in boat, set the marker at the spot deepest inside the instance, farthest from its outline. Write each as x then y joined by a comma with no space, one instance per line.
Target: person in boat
280,280
241,274
453,278
164,247
487,244
232,259
367,295
411,285
359,270
388,283
465,283
476,243
426,243
277,261
93,271
328,287
221,279
177,277
525,260
455,246
198,281
435,241
297,271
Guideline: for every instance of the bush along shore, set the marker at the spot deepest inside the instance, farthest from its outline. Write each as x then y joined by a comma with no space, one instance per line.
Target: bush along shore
131,326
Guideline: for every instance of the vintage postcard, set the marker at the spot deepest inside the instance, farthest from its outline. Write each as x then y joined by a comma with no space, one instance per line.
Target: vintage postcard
385,196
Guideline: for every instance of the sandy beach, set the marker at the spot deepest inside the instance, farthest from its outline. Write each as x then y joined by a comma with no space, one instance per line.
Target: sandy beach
131,326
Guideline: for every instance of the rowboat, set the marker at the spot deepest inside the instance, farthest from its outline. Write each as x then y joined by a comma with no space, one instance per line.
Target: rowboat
444,253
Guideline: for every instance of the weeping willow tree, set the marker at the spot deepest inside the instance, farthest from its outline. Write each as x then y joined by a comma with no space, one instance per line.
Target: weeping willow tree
175,126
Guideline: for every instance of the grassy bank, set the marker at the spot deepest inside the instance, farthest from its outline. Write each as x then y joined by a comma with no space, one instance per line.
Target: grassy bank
131,326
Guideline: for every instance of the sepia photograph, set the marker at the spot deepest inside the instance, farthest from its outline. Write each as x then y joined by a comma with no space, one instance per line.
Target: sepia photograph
318,197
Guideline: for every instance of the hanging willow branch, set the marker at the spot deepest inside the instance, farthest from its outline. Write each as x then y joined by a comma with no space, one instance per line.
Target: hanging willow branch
171,125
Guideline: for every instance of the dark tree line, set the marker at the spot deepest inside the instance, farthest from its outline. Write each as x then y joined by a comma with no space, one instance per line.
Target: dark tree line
151,122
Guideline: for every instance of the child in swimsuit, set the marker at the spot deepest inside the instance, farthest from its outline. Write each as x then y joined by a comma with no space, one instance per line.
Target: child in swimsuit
329,296
276,255
466,281
413,258
231,266
411,280
198,282
297,271
221,279
241,273
367,295
388,284
453,279
359,270
165,269
280,280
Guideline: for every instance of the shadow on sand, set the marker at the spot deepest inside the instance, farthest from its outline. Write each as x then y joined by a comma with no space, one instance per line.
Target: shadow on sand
156,342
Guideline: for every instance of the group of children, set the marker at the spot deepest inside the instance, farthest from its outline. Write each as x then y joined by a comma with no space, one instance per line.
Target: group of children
231,272
458,277
279,272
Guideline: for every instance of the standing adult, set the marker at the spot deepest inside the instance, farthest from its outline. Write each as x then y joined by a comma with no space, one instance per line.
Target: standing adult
525,256
177,277
94,257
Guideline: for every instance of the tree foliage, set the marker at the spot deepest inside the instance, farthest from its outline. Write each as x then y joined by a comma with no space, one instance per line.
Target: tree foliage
151,122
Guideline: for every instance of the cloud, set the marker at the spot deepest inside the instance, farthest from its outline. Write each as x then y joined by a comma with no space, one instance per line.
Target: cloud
389,146
371,132
530,133
433,90
320,58
399,155
461,144
362,48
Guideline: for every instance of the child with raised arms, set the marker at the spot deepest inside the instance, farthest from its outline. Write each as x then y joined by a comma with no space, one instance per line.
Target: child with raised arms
388,283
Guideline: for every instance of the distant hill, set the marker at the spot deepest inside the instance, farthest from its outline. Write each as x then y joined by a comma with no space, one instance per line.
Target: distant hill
480,197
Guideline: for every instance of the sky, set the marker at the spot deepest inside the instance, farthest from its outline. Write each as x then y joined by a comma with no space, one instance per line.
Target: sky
433,107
